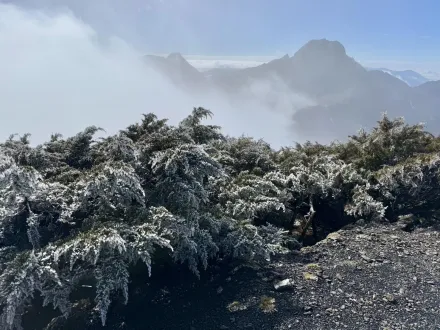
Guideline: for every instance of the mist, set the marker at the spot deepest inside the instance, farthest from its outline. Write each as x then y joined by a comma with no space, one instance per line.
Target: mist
59,75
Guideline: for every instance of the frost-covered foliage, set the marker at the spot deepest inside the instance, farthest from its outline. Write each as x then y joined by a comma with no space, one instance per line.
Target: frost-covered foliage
364,205
249,196
412,187
244,154
389,143
86,209
245,200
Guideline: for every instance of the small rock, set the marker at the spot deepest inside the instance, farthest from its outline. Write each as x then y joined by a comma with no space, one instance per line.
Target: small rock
363,256
219,290
339,277
390,298
286,284
330,311
334,236
362,236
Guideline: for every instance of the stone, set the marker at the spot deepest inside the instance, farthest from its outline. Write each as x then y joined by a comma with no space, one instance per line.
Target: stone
286,284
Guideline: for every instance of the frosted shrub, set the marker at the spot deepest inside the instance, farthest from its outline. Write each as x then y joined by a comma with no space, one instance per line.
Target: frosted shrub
79,209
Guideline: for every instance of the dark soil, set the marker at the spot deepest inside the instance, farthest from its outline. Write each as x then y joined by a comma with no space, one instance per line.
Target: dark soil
376,277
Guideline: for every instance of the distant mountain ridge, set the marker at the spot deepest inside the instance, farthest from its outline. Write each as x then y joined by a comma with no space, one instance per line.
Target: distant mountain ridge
346,96
412,78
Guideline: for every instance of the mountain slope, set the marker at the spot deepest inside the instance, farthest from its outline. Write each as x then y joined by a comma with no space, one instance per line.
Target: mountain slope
177,69
349,96
430,88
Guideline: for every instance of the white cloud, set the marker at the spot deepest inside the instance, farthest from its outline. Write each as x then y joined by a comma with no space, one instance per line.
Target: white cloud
206,64
233,62
430,74
59,75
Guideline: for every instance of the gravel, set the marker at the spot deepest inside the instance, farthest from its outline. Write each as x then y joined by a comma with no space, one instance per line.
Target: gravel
371,277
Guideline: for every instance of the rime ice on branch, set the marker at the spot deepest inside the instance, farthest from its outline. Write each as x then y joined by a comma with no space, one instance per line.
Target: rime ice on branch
76,208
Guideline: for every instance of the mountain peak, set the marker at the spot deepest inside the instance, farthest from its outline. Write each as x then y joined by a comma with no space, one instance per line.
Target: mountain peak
322,47
176,57
322,67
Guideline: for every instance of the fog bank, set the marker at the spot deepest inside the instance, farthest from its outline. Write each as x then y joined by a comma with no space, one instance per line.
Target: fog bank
60,75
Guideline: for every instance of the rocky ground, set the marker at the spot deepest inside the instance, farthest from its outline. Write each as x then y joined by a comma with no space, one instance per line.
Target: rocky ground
375,277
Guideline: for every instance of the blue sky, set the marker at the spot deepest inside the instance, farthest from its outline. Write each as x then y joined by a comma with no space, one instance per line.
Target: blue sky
393,32
262,27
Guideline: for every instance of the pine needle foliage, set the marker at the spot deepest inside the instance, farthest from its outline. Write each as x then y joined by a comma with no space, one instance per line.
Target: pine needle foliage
81,207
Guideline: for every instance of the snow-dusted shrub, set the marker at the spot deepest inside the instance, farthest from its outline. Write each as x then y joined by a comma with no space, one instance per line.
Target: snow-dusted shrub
80,209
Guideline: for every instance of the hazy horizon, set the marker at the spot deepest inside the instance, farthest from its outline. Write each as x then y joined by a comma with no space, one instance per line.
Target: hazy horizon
70,64
397,34
60,75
